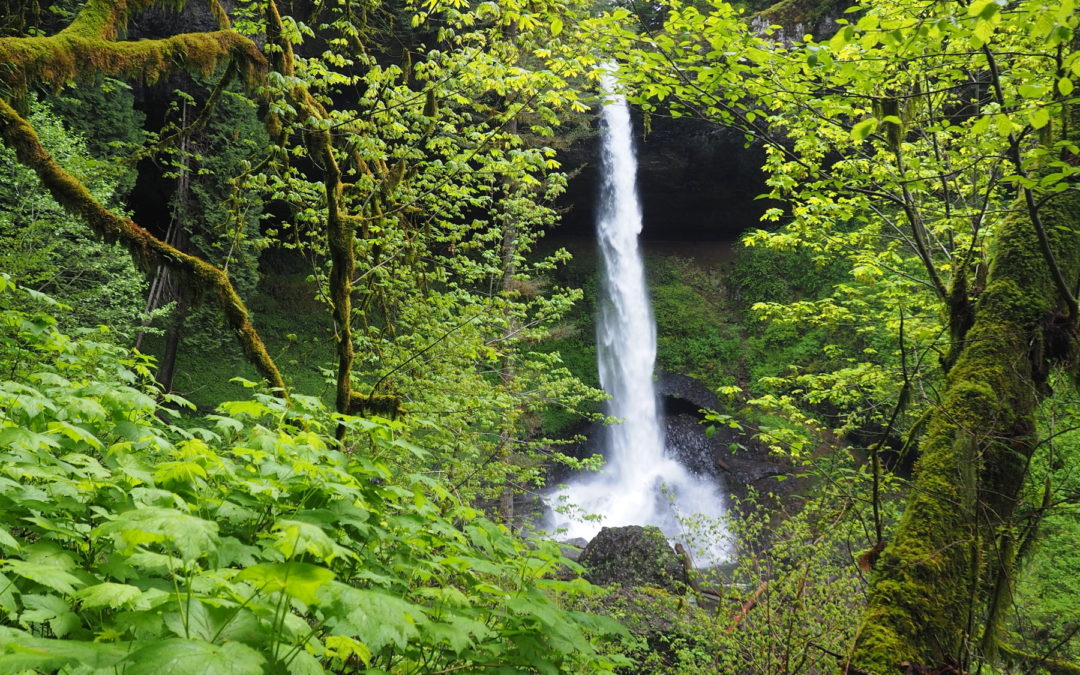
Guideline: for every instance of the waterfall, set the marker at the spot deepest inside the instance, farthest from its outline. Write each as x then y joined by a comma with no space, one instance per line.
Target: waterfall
640,484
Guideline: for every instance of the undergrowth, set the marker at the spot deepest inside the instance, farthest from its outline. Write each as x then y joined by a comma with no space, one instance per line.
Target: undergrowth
249,543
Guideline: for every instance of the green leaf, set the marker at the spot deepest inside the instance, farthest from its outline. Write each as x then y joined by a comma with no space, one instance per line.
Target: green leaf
51,609
458,632
868,22
303,663
191,536
1032,90
8,593
50,577
374,618
1039,118
860,131
295,537
556,26
9,542
109,595
26,439
19,651
296,579
1065,86
177,656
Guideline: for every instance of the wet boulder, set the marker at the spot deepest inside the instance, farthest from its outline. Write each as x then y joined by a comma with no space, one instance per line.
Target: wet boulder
633,556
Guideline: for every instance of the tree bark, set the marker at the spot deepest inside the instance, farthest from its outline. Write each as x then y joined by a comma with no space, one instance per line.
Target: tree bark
167,367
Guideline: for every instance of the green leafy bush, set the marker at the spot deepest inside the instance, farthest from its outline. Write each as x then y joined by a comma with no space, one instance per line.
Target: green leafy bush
790,600
250,544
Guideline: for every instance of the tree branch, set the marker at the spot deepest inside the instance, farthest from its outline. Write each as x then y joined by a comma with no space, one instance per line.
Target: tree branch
145,248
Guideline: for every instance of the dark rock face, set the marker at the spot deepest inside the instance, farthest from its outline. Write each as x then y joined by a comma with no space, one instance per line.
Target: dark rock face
687,442
633,556
696,181
684,388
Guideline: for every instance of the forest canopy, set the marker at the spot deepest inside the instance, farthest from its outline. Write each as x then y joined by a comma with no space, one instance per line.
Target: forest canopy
351,199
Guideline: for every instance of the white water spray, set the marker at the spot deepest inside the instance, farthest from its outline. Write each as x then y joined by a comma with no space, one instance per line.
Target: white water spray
640,484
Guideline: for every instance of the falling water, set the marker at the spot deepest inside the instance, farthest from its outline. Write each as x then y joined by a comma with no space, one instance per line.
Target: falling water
640,484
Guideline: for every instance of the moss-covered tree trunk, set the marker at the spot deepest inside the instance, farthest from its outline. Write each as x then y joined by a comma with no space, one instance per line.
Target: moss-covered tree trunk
928,602
340,227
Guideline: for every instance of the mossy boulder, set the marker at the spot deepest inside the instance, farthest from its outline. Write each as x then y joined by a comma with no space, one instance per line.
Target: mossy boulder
634,556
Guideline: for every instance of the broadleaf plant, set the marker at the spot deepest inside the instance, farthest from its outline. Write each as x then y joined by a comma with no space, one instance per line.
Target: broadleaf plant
253,544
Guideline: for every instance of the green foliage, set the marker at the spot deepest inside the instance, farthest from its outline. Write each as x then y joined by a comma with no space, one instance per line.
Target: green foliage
880,182
447,186
696,335
800,573
103,115
44,248
898,147
247,543
1045,616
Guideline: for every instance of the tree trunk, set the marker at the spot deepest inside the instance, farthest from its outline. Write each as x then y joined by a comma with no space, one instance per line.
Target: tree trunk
953,545
167,367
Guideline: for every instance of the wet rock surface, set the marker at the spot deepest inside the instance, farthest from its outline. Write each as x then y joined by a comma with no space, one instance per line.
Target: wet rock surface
633,556
676,389
696,181
732,456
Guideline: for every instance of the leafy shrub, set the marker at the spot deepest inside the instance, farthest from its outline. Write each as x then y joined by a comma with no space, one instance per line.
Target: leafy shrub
790,601
250,544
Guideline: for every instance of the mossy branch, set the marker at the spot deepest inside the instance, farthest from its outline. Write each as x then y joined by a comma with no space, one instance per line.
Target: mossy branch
147,250
340,227
1051,665
64,58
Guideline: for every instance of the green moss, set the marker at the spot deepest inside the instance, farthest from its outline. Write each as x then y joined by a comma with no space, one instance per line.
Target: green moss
87,49
147,250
